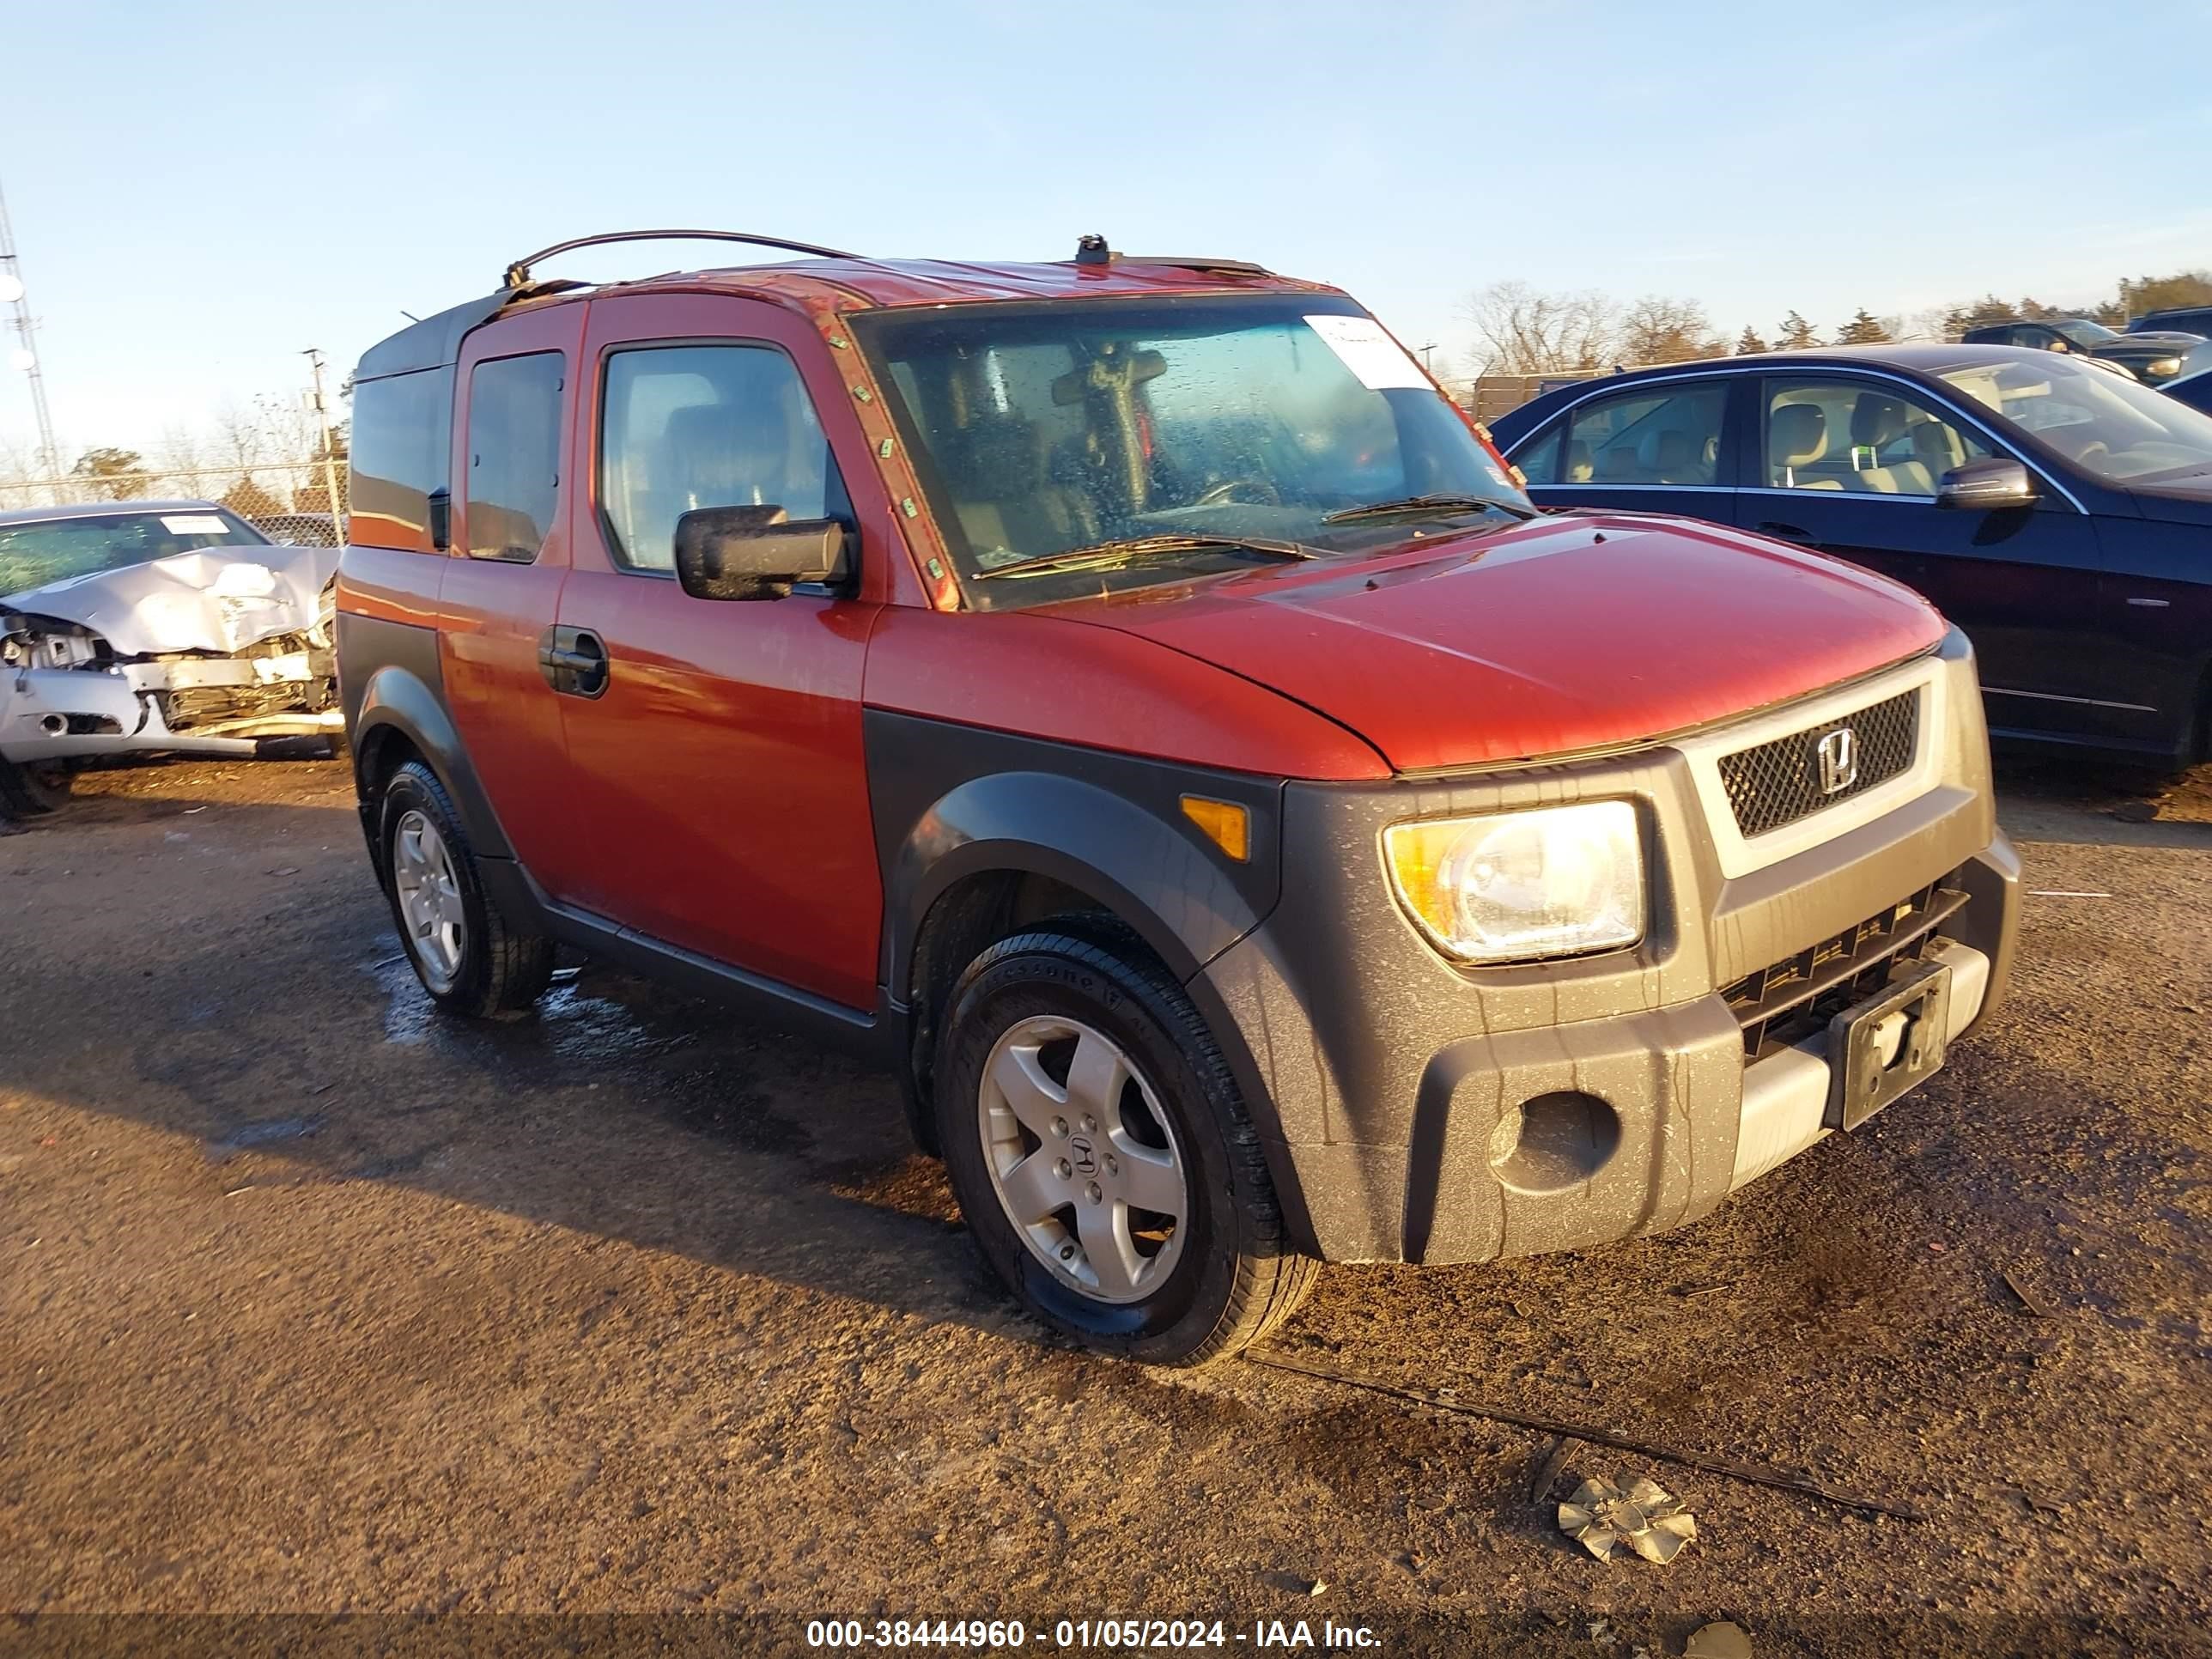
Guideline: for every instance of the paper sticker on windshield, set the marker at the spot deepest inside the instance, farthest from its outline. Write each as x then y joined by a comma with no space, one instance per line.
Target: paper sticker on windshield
194,524
1380,361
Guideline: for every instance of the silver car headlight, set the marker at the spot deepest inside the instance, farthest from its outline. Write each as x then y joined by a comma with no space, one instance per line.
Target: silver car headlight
1553,881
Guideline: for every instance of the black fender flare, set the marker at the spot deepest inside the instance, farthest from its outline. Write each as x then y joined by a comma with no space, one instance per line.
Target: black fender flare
1159,877
396,701
1130,849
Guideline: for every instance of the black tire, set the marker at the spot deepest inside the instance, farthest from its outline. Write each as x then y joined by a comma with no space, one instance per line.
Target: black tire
1236,1278
35,790
502,968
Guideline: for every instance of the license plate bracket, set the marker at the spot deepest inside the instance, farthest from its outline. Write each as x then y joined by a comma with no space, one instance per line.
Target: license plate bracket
1880,1048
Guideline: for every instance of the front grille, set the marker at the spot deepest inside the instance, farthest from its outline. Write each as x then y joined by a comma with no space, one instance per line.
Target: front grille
1779,782
1796,998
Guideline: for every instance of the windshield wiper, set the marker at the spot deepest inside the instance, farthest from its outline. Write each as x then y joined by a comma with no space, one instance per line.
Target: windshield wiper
1104,555
1413,505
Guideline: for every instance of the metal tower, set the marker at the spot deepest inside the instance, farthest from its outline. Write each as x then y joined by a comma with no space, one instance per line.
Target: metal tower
11,277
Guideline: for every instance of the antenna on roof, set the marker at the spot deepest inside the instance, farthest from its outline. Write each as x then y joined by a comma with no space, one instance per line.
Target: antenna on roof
1091,249
518,274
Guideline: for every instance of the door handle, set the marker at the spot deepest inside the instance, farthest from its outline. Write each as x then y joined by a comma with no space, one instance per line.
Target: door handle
573,661
1784,532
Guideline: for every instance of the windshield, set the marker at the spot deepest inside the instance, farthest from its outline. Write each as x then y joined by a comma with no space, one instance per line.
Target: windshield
2082,332
54,550
2117,429
1041,429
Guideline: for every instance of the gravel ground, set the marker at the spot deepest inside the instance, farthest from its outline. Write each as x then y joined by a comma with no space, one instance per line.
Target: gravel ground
311,1301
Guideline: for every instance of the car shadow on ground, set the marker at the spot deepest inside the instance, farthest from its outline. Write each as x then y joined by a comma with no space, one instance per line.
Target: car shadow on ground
289,1041
2092,804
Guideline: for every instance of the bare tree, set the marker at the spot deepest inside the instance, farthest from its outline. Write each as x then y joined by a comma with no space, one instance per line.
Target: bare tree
1658,329
1519,331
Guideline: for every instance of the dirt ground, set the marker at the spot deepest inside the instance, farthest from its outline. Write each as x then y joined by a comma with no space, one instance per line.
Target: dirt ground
312,1303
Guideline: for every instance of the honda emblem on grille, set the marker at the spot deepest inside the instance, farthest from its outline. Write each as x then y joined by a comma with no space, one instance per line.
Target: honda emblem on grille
1839,760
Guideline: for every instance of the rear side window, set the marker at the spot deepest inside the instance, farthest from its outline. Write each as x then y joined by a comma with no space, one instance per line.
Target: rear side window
403,427
514,454
1671,436
697,426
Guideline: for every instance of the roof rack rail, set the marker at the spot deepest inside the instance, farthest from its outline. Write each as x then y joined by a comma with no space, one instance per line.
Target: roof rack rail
518,274
1091,250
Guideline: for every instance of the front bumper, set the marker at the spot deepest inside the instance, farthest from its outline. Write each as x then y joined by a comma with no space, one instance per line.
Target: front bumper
1415,1110
69,713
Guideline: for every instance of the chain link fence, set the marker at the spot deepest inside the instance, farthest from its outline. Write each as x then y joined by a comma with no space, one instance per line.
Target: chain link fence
291,500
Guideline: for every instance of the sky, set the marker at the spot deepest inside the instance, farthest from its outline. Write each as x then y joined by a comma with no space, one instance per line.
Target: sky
200,194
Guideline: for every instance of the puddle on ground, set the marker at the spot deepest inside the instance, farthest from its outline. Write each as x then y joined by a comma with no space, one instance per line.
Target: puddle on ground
585,1019
264,1133
595,1028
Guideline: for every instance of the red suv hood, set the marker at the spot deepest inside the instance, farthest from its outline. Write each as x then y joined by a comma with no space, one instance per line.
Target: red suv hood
1562,634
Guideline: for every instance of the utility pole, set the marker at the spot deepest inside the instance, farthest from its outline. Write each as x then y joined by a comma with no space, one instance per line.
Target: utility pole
13,292
1428,354
315,357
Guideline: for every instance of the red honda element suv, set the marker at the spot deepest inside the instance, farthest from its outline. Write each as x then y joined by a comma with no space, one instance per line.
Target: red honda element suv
1128,695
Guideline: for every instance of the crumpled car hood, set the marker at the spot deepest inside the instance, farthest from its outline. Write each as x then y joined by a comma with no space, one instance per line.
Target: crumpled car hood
216,599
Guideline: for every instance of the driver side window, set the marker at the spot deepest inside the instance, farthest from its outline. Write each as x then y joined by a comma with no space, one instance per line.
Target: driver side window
1860,438
688,427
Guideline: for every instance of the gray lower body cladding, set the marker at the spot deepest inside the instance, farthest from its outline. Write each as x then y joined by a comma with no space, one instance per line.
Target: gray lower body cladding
1429,1112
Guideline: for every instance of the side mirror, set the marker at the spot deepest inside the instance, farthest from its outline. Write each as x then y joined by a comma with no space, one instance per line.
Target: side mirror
755,552
1984,486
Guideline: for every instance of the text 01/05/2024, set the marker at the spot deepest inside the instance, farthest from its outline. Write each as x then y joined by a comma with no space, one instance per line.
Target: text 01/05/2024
997,1634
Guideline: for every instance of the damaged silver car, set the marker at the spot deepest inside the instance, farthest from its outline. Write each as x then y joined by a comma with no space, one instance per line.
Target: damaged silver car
155,628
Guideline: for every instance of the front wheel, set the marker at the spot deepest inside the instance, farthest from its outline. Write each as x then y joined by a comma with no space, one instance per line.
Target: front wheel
33,789
470,957
1102,1155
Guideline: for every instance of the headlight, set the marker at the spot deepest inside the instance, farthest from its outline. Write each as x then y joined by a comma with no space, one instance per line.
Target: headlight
2163,366
1552,882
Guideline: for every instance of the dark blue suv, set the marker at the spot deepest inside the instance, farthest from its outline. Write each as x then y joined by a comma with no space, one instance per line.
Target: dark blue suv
2059,513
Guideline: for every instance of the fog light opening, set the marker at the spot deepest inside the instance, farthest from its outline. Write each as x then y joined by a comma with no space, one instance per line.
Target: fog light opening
1554,1143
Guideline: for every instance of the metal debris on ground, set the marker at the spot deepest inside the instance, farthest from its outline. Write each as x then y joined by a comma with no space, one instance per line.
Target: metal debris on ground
1721,1639
1646,1517
1547,1468
2027,1300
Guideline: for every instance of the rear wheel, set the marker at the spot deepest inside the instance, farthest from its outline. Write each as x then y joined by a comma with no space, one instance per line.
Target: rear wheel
1102,1155
470,956
36,788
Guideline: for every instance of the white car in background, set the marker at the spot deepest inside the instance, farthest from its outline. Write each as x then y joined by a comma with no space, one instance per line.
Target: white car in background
131,627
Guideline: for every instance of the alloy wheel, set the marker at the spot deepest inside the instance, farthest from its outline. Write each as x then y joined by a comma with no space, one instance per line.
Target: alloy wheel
1082,1158
429,898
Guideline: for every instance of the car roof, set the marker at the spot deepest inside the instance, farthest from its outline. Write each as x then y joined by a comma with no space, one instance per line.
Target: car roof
1925,357
846,284
855,283
103,509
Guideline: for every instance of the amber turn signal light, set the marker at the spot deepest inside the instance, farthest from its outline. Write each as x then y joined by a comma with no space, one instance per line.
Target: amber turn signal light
1226,824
